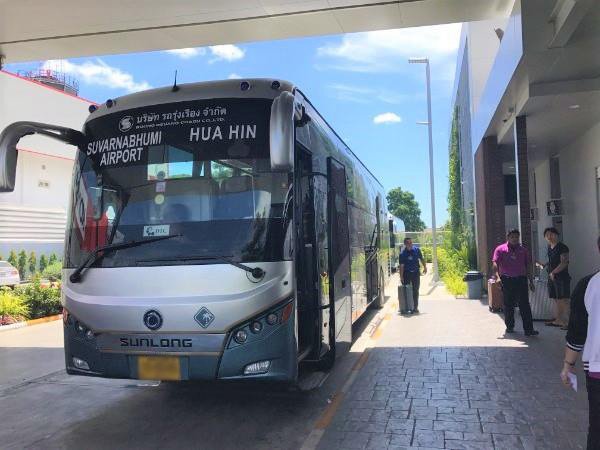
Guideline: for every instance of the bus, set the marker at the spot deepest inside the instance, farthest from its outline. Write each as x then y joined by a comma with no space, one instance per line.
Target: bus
216,230
396,230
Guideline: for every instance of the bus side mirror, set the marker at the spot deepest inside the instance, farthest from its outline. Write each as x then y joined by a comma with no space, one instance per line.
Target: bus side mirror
10,138
281,133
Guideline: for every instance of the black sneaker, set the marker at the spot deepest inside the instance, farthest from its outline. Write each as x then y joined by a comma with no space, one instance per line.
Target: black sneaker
510,330
416,311
532,333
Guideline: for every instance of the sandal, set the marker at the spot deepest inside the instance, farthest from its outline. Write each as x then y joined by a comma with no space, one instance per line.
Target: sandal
553,324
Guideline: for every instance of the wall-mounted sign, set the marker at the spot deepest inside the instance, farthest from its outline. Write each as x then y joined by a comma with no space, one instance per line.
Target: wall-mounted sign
554,207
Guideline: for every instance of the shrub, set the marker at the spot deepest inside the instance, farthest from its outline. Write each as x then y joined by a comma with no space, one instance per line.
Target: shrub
22,263
32,263
12,258
455,284
12,307
427,254
53,271
42,301
452,266
53,258
43,263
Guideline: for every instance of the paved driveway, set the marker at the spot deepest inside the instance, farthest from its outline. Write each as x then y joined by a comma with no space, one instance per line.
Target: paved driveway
448,378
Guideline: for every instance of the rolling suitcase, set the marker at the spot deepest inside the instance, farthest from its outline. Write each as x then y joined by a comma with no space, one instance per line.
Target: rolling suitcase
495,297
541,306
405,299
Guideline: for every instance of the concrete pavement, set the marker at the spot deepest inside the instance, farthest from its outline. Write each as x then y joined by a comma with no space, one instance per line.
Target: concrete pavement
30,352
449,378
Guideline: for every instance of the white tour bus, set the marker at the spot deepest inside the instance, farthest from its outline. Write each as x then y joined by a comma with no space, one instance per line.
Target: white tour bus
217,230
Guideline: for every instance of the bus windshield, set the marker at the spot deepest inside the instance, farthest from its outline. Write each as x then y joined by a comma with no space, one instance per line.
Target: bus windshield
204,181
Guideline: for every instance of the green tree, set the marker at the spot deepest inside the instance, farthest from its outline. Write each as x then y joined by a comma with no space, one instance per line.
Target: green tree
52,258
12,258
32,263
22,263
43,262
402,204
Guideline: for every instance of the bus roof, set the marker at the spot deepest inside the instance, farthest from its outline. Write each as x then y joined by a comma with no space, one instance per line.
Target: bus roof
259,88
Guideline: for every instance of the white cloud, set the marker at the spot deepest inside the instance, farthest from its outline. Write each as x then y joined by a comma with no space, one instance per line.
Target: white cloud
98,73
234,76
226,52
187,53
388,50
387,117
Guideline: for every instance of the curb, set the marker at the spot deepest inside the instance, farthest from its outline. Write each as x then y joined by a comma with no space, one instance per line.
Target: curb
27,323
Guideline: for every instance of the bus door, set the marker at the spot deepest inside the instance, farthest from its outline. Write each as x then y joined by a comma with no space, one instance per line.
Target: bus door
371,258
306,256
340,292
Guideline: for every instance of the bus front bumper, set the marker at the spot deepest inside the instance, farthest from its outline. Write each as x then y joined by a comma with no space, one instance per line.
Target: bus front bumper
268,354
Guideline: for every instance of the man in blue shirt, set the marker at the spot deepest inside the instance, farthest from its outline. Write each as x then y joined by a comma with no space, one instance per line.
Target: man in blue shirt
409,269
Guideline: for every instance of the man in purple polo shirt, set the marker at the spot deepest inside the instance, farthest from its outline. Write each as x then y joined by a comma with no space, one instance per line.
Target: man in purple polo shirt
512,268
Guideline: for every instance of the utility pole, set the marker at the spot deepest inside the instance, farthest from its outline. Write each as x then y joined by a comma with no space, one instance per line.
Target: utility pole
436,275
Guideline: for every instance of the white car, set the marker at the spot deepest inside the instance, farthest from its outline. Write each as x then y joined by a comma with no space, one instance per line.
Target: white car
9,276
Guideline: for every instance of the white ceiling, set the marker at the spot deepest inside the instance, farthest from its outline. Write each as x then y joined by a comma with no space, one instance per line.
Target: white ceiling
42,29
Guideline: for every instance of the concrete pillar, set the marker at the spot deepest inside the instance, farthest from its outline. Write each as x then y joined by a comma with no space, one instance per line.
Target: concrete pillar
522,173
489,193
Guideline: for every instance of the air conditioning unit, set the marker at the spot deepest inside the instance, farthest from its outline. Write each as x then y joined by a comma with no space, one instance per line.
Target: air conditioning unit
554,207
534,214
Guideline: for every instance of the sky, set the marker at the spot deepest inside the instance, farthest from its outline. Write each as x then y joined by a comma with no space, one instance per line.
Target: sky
361,83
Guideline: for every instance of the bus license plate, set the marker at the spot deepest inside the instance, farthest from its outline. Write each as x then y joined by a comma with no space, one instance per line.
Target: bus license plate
158,368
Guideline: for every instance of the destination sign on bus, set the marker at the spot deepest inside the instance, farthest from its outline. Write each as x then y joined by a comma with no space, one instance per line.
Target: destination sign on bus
122,139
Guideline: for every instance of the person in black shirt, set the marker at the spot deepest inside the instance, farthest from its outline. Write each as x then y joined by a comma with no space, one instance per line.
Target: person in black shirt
559,280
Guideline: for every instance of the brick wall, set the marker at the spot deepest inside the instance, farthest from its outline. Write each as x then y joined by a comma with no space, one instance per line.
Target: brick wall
489,187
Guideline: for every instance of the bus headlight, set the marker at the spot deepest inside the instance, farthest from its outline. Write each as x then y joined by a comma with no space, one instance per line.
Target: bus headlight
240,336
257,368
256,327
272,319
80,364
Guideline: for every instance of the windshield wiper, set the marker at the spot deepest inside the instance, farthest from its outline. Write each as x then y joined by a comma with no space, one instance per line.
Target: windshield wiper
100,252
256,272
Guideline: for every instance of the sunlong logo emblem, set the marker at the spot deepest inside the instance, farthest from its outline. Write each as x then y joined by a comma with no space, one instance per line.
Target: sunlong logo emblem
204,317
153,320
126,123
